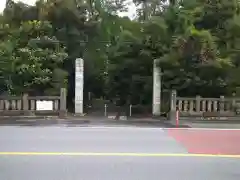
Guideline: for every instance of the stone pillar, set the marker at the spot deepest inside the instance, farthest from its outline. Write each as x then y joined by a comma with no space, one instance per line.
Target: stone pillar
156,105
25,104
79,82
63,103
173,102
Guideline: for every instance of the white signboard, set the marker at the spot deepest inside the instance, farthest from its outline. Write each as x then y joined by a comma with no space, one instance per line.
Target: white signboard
44,105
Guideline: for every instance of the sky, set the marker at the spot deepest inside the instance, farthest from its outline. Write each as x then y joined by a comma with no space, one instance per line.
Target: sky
3,2
130,13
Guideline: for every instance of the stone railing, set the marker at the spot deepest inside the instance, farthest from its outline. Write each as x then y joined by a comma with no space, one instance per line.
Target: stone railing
204,107
27,105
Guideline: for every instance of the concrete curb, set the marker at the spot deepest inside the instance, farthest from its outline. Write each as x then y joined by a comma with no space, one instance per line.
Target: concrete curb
42,121
26,117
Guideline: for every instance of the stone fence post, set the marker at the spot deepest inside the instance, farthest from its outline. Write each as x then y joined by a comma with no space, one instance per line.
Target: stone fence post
25,104
233,103
173,102
198,103
63,103
222,104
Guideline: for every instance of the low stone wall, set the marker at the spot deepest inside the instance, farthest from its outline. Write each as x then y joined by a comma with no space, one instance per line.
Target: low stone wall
27,105
204,108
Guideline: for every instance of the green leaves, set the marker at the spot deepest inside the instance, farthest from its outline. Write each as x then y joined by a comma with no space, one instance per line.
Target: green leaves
196,42
29,55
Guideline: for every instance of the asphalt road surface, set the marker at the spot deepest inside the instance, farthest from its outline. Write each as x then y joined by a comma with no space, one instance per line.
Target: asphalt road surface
101,153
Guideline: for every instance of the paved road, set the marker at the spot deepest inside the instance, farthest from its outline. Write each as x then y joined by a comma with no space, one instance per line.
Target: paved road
113,154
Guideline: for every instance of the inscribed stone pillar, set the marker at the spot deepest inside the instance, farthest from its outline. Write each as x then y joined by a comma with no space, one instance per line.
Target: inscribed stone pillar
156,107
79,82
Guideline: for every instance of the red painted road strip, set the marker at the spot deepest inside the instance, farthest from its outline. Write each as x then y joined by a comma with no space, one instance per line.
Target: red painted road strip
208,141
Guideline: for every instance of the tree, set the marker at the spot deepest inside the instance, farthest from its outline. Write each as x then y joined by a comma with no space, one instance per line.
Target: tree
32,64
195,41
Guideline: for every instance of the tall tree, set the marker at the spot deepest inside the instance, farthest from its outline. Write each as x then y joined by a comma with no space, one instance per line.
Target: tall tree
31,59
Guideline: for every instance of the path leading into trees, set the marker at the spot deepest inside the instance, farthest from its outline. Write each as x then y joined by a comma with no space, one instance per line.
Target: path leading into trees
117,153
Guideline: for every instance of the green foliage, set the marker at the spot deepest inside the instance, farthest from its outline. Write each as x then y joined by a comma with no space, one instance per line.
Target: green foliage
196,42
29,57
